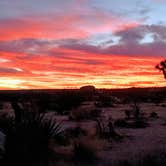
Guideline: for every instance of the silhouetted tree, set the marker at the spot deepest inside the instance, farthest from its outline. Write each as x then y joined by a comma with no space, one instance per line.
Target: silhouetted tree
162,67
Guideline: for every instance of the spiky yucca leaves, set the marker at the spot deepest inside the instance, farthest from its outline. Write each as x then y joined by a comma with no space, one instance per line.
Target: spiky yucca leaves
27,143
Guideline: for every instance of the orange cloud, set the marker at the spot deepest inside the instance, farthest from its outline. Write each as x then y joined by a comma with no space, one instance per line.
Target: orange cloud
77,70
67,67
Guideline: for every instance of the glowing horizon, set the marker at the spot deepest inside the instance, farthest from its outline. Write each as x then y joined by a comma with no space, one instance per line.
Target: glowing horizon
59,44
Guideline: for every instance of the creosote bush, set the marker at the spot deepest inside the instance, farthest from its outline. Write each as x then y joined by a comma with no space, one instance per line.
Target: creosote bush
107,130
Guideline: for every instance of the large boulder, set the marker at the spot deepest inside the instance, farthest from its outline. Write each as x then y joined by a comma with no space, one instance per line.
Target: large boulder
88,92
88,88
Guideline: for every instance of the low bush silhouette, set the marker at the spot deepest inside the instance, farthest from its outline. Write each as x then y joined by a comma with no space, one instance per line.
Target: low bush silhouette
153,115
67,101
121,123
84,113
107,130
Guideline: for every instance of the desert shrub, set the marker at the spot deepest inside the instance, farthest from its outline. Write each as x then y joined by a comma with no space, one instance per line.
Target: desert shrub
121,123
27,142
59,102
75,132
136,110
138,123
67,101
156,98
164,122
84,113
107,130
85,151
104,100
102,130
128,114
134,123
163,105
95,112
153,115
78,114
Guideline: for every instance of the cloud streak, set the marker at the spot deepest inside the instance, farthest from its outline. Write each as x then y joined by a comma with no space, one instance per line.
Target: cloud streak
78,43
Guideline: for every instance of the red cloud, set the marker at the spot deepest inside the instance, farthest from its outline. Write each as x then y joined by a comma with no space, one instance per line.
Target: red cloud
60,72
70,65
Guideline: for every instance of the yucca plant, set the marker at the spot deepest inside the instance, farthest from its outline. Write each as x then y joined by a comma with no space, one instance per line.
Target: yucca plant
27,142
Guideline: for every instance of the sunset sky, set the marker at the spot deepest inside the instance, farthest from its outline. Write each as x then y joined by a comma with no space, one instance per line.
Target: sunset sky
72,43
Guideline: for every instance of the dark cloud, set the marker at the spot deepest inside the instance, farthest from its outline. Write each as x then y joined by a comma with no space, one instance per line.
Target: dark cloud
27,46
9,70
129,44
130,41
133,35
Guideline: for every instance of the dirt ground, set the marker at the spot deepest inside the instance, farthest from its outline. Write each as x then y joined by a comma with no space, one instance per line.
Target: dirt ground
136,143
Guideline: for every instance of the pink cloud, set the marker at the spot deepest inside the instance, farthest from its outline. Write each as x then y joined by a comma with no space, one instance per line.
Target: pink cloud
78,23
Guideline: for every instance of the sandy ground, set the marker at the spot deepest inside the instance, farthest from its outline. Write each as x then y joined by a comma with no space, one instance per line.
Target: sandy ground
138,141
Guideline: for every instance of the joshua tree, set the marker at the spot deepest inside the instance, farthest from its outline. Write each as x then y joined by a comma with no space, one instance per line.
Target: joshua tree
162,67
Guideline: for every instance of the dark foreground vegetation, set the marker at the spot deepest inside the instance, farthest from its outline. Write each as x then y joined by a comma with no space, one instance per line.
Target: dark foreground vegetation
32,135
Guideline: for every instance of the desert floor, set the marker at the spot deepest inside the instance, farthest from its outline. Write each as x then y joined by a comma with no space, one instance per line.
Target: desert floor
136,143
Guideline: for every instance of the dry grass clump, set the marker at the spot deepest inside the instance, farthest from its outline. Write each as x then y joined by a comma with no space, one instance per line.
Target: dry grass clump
134,123
121,123
153,115
163,105
134,118
107,130
139,123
